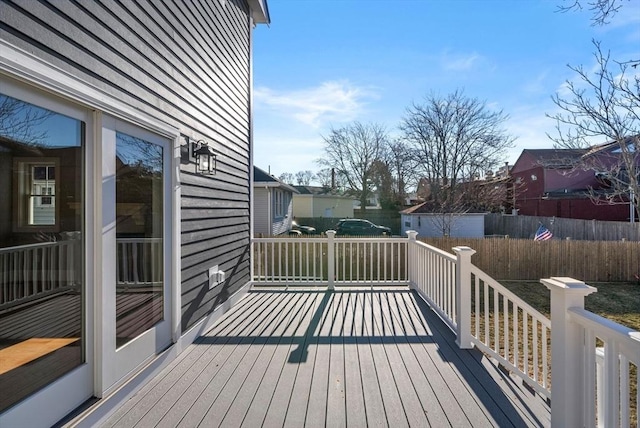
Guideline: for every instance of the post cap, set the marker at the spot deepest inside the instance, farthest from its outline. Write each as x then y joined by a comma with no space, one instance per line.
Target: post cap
568,285
464,249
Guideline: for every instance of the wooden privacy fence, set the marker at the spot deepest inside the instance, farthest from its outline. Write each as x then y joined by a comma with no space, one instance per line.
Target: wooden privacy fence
525,259
522,226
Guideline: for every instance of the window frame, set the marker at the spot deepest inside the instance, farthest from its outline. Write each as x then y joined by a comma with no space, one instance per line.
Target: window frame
22,188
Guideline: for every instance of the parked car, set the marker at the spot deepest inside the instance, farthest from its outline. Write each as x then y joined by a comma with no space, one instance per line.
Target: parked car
304,230
356,226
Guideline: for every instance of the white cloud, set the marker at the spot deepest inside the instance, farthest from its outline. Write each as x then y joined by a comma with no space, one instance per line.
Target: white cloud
460,62
280,152
530,125
333,101
537,85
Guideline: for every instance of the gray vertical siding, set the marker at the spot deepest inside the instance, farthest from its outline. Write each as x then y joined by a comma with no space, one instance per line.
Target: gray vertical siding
185,63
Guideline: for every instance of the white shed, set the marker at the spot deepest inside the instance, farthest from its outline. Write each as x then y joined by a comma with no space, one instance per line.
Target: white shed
458,225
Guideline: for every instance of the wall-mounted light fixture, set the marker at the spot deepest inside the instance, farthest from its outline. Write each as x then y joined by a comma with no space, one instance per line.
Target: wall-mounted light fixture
206,157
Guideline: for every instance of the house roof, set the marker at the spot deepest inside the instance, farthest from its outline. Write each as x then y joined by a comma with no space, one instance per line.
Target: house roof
319,191
427,207
558,158
532,158
262,178
259,11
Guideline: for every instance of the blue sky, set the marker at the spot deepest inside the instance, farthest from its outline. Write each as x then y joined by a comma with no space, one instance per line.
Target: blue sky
327,63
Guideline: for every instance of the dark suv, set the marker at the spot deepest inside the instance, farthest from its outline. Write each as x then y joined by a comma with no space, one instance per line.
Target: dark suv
356,226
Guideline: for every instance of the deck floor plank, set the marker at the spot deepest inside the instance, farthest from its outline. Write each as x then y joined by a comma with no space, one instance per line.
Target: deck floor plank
399,353
336,401
311,358
169,392
317,406
427,393
393,408
239,406
279,403
194,406
356,415
418,398
262,399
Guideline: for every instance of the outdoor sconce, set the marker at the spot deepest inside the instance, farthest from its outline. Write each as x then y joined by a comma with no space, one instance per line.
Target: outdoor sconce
206,158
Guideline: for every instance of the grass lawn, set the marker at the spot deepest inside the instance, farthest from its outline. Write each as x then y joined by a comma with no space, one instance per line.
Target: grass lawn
617,301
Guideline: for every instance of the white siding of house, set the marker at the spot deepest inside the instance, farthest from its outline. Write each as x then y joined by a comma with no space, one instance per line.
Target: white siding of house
430,225
262,216
303,205
317,206
284,215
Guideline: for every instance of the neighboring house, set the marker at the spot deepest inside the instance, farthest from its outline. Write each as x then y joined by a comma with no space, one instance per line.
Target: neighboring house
273,204
429,224
546,182
317,201
116,252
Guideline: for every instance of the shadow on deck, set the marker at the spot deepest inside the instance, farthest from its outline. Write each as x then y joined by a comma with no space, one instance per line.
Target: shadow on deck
331,358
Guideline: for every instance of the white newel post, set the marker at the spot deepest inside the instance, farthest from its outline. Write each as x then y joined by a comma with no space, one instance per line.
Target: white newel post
567,351
411,259
463,296
331,258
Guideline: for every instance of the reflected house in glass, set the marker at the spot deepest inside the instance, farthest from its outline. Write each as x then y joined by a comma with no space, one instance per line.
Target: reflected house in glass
108,230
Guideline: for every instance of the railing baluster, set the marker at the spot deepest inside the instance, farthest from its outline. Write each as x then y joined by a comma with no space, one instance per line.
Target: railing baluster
589,376
534,327
545,362
611,384
516,341
505,326
496,320
486,313
525,342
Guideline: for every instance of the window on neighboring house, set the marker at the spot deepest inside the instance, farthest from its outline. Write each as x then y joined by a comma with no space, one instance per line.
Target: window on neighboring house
280,203
35,193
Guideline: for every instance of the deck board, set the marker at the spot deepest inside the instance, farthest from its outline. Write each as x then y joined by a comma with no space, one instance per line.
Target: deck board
351,358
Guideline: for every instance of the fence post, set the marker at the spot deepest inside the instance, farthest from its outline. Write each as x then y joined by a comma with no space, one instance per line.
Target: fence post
463,296
331,258
411,234
567,352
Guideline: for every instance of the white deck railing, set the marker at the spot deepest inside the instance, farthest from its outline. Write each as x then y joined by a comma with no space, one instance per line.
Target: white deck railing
29,272
511,331
140,262
329,261
587,390
591,383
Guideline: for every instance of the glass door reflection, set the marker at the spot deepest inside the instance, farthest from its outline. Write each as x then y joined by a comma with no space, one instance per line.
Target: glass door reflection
139,236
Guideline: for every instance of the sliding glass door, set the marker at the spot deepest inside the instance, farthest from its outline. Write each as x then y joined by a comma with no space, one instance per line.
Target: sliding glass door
44,339
136,237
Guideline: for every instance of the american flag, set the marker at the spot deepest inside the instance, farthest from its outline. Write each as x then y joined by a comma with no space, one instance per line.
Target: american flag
542,234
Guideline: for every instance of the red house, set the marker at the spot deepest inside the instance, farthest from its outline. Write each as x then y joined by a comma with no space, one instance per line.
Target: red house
562,182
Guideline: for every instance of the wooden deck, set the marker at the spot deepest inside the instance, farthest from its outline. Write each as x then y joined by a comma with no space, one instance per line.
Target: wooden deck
320,358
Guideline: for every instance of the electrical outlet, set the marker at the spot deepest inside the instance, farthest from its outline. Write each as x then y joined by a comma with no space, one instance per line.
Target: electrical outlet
216,277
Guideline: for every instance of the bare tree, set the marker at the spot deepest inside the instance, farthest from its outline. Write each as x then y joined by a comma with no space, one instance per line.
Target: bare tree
382,179
455,139
286,177
604,103
602,13
602,10
352,150
303,178
402,162
22,122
